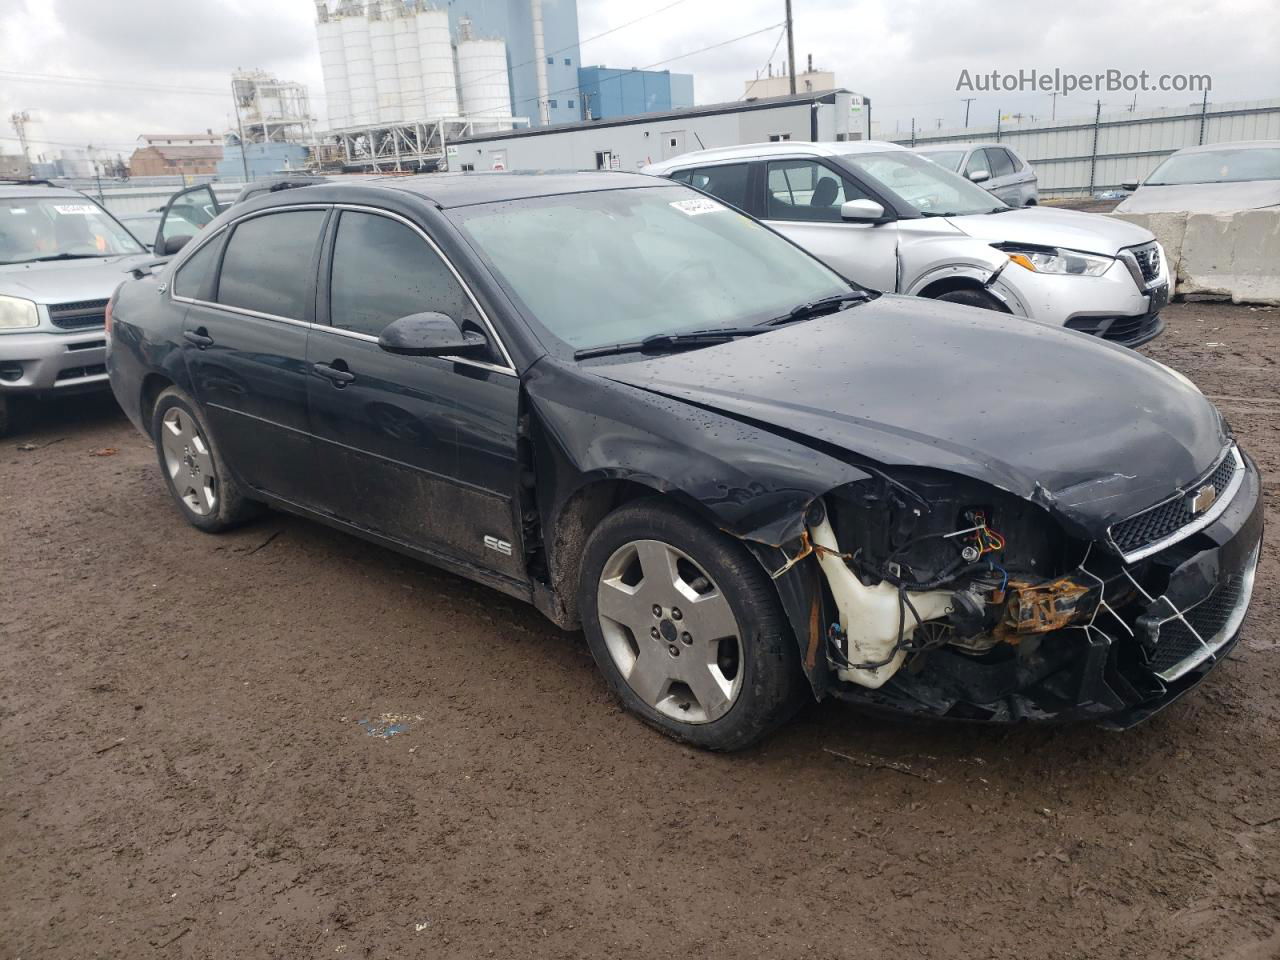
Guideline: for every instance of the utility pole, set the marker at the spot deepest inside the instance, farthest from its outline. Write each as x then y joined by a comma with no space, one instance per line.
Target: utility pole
244,160
913,131
20,121
997,126
1204,109
791,49
1053,115
967,101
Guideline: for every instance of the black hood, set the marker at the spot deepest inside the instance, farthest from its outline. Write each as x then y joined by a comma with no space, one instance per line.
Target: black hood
1090,430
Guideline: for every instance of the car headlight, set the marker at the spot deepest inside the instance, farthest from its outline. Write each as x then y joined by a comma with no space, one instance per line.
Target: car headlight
1059,261
17,314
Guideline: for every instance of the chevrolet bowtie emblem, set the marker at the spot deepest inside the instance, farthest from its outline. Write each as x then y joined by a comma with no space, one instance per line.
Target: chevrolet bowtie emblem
1203,499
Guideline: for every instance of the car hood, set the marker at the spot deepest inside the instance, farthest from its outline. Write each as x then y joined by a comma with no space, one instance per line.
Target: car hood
66,281
1090,431
1203,198
1046,227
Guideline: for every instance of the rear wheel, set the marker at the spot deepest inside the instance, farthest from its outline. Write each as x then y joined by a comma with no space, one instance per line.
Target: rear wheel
687,629
198,479
971,297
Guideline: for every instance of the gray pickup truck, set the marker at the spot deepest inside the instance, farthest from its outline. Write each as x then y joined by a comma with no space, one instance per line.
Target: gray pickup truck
61,257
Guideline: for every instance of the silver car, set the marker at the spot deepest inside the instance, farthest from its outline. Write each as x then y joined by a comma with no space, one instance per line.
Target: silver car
1214,178
996,166
61,257
893,221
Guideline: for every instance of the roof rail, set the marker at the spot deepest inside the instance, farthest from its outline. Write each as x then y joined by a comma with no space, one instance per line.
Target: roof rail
21,181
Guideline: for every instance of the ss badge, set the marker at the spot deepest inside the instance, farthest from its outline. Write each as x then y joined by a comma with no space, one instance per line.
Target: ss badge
1203,499
504,548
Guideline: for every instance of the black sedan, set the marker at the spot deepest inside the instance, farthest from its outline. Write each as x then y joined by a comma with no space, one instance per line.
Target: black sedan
747,480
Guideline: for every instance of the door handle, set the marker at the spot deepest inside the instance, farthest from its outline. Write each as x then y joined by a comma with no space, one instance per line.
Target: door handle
337,376
198,337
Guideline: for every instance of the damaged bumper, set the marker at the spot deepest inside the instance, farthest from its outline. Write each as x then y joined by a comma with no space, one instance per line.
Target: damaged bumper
1155,629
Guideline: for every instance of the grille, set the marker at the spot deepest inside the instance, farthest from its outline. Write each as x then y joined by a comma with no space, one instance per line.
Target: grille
1124,329
78,315
1209,618
75,373
1169,517
1148,257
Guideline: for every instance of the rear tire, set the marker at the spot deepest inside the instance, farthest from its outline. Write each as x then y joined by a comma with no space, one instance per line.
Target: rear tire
193,468
973,298
687,628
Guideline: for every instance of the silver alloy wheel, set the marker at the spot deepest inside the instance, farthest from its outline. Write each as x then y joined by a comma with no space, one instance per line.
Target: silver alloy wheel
670,631
189,462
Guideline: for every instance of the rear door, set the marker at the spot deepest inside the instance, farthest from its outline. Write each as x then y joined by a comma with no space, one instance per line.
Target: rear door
803,197
728,182
245,345
421,450
1004,181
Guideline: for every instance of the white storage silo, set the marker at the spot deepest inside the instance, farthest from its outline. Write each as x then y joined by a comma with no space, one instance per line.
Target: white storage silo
382,46
333,65
482,75
435,54
359,55
404,33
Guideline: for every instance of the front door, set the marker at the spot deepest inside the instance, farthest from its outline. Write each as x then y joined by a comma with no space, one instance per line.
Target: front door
245,344
421,450
802,201
185,215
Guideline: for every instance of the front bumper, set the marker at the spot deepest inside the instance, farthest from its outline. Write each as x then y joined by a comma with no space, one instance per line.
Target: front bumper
42,362
1123,666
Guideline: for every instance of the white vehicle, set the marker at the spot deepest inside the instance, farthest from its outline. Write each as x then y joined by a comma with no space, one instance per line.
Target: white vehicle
996,166
893,221
1214,178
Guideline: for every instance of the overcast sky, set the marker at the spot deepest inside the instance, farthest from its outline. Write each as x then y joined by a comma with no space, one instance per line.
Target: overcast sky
161,65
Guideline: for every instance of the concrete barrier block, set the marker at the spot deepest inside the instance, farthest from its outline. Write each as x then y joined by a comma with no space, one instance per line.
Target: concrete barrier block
1232,254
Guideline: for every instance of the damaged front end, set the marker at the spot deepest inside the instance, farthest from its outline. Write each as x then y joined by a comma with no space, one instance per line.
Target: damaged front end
935,594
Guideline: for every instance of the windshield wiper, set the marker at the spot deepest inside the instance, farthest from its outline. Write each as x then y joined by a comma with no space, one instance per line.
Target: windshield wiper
66,256
816,307
661,342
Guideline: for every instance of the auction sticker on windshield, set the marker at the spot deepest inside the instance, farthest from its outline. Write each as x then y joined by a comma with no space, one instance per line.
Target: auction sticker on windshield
84,209
692,208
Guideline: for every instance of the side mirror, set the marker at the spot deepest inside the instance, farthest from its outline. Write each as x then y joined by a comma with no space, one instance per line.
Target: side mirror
430,335
173,244
861,210
1130,185
979,176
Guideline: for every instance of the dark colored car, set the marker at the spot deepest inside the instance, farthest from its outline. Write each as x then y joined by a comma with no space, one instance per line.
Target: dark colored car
746,480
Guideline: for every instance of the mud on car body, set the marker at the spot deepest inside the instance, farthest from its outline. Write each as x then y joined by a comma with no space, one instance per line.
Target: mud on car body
746,479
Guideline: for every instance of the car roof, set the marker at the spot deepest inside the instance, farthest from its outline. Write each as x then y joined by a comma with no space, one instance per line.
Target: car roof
16,189
939,147
449,190
1230,145
787,148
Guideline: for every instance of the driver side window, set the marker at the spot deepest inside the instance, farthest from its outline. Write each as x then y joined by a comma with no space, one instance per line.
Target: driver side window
382,271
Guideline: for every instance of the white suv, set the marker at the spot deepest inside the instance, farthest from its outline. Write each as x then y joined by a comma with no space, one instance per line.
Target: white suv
893,221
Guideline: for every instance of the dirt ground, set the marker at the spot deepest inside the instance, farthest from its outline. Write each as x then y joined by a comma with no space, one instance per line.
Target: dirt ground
286,743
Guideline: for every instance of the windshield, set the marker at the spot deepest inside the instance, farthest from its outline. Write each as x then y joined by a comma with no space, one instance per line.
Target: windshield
41,228
948,159
923,184
621,265
1218,166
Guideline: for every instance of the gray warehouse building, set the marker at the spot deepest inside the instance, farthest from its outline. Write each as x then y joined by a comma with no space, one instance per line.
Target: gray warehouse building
628,143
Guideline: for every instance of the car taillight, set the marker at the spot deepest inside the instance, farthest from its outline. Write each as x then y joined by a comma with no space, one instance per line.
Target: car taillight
106,316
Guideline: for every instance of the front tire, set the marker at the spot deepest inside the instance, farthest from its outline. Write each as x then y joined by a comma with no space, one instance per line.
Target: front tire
687,628
973,298
193,468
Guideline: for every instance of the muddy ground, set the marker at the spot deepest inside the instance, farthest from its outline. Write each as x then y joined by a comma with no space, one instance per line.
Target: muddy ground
286,743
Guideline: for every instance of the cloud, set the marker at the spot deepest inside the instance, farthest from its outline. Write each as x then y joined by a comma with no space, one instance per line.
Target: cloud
905,54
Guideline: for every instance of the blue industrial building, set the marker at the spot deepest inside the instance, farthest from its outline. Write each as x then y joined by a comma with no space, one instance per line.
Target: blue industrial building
606,92
511,20
260,159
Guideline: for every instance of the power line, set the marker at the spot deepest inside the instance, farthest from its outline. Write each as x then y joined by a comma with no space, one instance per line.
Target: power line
768,60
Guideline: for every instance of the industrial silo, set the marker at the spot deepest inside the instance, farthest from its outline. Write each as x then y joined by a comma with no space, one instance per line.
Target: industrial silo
333,65
482,76
435,54
404,33
359,55
382,46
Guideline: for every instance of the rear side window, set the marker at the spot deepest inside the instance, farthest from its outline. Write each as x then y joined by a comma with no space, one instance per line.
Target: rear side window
1001,164
727,183
267,266
193,279
807,190
383,271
